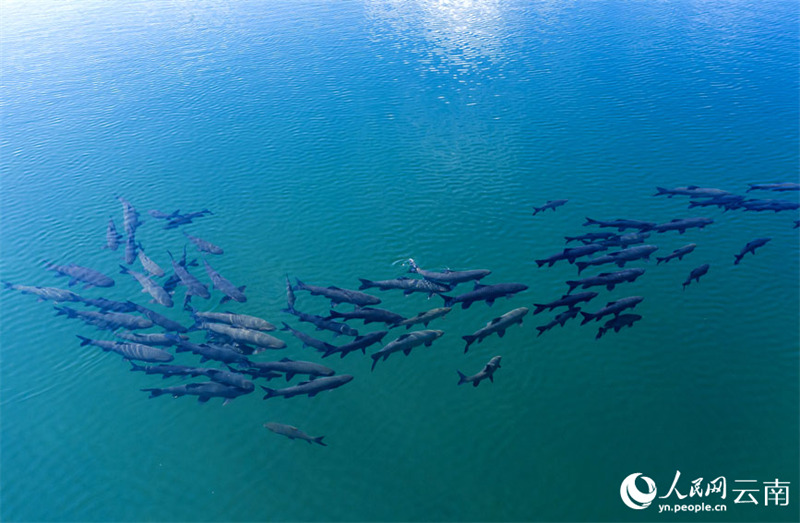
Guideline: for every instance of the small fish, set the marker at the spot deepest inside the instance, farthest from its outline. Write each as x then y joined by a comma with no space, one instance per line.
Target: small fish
322,323
405,343
424,317
695,274
591,237
310,388
160,320
164,216
691,190
112,236
167,371
486,372
726,202
203,245
130,351
76,273
291,368
681,225
338,295
488,293
677,253
497,325
612,307
293,433
45,293
149,265
620,257
155,290
625,240
407,285
448,277
779,187
360,343
308,341
551,204
204,391
617,322
560,319
231,291
290,298
369,315
769,205
622,224
607,279
567,300
750,247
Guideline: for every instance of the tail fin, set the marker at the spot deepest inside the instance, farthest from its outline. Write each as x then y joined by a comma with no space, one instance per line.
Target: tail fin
133,365
537,210
587,317
542,329
600,333
659,260
686,284
375,357
154,392
572,284
8,285
581,266
469,338
539,307
661,191
692,205
539,263
298,285
335,314
590,221
124,269
448,300
365,284
270,392
319,440
285,327
737,258
84,341
462,378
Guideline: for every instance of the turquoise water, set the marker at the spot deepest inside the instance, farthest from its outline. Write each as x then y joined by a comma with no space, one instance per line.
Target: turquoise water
333,139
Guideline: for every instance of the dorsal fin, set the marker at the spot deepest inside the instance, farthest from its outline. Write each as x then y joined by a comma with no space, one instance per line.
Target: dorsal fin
478,286
286,359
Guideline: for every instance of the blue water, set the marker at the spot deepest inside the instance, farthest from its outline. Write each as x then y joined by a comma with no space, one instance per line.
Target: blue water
334,139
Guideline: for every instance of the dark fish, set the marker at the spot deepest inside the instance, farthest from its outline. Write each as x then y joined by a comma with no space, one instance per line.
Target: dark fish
407,285
617,322
750,247
203,245
338,295
681,224
242,335
498,325
574,253
204,391
213,352
164,216
424,317
322,323
151,338
130,351
448,277
155,290
293,433
551,260
231,291
622,224
726,202
45,293
237,320
160,320
290,298
369,315
591,237
107,320
677,253
109,305
290,368
786,186
130,249
405,343
230,378
770,205
560,319
624,240
193,285
130,216
551,204
620,257
167,371
360,343
312,388
691,190
112,236
76,273
149,265
607,279
567,300
308,341
488,293
695,274
486,372
612,307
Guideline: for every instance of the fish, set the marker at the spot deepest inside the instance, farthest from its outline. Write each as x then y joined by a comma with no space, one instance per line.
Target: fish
112,236
155,290
290,368
293,433
407,285
360,343
750,247
242,335
338,295
155,338
193,285
769,205
423,317
551,260
149,265
785,186
624,240
622,224
109,305
213,352
691,190
76,273
726,202
167,371
230,378
322,323
497,325
567,300
203,245
130,249
591,237
681,224
486,372
130,351
405,343
618,322
308,341
620,257
488,293
551,204
45,293
160,320
607,279
560,319
204,391
164,216
310,388
612,307
290,297
231,291
107,320
185,219
369,315
695,274
677,253
448,277
237,320
574,253
130,216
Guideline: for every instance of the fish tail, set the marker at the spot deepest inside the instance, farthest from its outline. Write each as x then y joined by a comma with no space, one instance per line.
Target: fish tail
365,284
285,327
462,378
572,284
375,357
539,263
537,210
319,440
84,341
448,300
542,329
469,338
134,366
581,266
600,333
587,317
8,285
154,392
590,221
124,269
299,285
661,191
269,392
659,260
737,258
539,307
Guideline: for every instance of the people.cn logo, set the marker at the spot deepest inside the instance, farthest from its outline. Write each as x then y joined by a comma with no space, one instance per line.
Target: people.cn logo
632,496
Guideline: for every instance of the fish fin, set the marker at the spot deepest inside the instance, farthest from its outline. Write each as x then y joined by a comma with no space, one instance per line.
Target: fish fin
539,263
448,302
154,392
269,392
581,266
85,341
469,338
600,333
542,329
365,284
495,320
407,351
203,399
312,394
227,400
319,440
462,378
611,286
289,376
539,307
490,302
478,286
587,317
501,333
491,376
375,358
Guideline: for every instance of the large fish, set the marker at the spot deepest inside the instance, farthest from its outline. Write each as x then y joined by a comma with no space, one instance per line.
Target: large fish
155,290
45,293
193,285
786,186
695,274
769,205
130,249
308,341
621,224
203,245
497,325
726,202
204,391
107,320
681,224
154,338
560,319
293,433
338,295
76,273
551,204
112,236
405,343
487,293
607,279
677,253
360,343
290,368
242,335
407,285
323,323
448,277
236,320
231,291
617,322
750,247
230,378
568,300
486,372
311,388
131,351
130,216
149,265
369,315
573,253
424,317
612,307
691,190
620,257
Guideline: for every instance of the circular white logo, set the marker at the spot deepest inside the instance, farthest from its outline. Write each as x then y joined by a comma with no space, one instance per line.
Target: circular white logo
632,496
